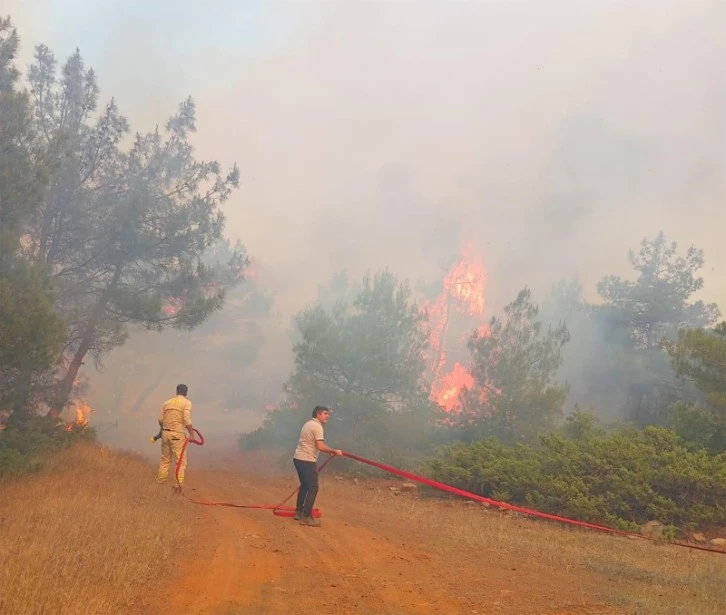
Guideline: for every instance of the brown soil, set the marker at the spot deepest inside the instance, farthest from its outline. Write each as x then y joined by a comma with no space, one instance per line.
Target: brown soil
372,555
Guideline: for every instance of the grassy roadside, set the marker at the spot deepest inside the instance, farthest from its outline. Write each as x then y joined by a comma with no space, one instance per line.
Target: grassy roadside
621,574
88,534
92,533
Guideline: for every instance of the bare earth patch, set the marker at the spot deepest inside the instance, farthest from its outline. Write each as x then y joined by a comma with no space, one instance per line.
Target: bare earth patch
381,552
95,535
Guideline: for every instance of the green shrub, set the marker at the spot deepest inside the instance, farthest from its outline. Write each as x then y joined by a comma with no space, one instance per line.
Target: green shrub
625,478
698,427
28,442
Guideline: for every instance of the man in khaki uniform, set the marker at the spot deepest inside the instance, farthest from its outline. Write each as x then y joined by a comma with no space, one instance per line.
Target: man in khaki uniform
176,415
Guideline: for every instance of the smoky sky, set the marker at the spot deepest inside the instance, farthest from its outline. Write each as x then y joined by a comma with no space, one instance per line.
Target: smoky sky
551,135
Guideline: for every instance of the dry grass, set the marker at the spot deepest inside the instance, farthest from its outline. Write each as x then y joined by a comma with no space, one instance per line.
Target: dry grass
86,535
638,576
94,532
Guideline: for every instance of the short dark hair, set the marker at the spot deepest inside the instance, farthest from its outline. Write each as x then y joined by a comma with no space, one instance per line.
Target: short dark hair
181,389
319,410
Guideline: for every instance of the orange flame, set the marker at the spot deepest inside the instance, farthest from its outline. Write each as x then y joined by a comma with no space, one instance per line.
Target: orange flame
83,412
446,391
461,298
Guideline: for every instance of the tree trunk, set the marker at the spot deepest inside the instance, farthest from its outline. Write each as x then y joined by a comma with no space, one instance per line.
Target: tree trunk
66,384
47,222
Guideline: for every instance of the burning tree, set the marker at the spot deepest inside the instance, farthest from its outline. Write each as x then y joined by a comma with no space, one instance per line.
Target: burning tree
456,311
504,386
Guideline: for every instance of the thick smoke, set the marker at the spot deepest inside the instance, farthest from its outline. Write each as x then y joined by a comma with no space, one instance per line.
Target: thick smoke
553,135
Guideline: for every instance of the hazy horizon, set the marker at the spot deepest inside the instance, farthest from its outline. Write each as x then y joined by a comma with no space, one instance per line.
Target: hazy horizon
552,136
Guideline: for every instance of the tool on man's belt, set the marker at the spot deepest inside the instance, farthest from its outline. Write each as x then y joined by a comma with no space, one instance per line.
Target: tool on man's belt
156,437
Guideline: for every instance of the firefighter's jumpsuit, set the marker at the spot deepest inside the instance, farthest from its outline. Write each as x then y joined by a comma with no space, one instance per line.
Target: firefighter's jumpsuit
176,414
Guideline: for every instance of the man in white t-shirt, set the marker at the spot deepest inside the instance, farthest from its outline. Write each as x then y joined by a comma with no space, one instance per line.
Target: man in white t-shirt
309,445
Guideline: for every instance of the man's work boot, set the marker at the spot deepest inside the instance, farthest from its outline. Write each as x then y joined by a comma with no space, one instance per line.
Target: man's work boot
298,515
177,490
311,521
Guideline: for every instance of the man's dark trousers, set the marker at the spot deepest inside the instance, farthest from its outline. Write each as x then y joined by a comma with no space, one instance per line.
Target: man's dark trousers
307,472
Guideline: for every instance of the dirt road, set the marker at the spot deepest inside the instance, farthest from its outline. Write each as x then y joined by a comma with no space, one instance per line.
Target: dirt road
371,556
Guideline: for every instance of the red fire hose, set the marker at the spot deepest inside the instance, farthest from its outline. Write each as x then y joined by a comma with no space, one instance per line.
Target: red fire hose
512,507
284,511
277,509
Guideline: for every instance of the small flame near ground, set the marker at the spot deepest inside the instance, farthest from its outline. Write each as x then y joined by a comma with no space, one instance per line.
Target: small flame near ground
455,314
83,412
